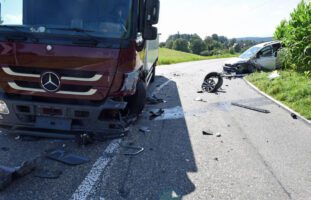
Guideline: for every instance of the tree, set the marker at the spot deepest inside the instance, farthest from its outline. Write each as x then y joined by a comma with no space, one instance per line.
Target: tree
197,46
280,31
215,37
237,47
296,36
181,45
232,42
162,44
169,44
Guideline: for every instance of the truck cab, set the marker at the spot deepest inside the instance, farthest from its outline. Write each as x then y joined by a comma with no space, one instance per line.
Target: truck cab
75,67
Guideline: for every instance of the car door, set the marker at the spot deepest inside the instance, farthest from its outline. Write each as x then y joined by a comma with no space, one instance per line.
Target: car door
266,59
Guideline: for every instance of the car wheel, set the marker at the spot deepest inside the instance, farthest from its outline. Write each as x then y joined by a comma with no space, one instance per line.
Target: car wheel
136,102
212,82
251,69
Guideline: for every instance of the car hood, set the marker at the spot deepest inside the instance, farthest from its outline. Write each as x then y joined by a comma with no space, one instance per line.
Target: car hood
235,61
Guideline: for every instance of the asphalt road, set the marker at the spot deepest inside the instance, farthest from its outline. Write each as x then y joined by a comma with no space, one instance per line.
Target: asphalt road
257,156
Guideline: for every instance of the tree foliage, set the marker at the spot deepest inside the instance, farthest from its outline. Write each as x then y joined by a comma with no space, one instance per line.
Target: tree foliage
211,45
296,36
181,45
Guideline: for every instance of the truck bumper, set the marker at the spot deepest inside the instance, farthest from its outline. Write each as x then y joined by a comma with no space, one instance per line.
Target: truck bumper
60,120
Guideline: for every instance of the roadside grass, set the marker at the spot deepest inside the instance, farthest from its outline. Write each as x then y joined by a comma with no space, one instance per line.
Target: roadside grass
168,56
292,88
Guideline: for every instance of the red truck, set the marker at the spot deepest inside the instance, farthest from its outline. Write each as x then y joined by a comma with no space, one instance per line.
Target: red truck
72,67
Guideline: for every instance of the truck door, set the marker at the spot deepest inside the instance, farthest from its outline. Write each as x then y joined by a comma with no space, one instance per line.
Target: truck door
266,59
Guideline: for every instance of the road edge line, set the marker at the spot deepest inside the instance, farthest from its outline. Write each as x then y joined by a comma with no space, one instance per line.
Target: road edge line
283,106
85,188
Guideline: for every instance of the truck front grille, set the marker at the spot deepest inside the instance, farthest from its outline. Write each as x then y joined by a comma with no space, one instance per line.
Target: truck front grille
70,76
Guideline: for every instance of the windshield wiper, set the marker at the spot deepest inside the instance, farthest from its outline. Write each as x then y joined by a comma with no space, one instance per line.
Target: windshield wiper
17,29
90,39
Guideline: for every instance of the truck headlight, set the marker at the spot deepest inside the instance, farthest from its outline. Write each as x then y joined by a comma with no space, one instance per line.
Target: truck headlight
4,108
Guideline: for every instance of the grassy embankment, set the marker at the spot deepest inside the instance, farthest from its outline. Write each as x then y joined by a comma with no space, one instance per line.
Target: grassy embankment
292,88
168,56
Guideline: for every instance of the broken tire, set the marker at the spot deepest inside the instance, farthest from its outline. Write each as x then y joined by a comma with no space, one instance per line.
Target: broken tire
212,82
136,102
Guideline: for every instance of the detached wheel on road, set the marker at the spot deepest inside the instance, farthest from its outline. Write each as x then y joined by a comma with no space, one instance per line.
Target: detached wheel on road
212,82
136,102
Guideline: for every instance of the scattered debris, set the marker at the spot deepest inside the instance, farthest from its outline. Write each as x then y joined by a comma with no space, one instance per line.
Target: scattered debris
274,75
251,108
200,92
199,99
155,114
47,174
9,174
207,133
17,137
228,125
84,139
176,75
218,135
137,150
64,157
144,129
153,100
216,159
294,116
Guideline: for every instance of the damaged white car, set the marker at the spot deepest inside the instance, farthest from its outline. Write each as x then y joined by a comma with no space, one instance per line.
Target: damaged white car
261,56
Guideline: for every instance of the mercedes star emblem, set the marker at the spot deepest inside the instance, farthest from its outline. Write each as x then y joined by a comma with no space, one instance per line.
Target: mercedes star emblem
50,81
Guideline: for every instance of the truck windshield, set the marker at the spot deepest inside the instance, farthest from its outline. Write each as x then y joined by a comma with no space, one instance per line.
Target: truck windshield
103,18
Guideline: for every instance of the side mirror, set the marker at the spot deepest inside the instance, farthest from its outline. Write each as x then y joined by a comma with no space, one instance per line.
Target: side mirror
151,17
258,55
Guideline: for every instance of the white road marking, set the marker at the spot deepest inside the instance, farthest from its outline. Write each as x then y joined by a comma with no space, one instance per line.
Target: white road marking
158,89
98,168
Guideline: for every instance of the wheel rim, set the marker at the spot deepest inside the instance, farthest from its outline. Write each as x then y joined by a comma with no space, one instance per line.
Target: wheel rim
209,84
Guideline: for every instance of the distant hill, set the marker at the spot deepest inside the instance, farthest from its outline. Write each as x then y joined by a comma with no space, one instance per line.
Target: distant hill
257,39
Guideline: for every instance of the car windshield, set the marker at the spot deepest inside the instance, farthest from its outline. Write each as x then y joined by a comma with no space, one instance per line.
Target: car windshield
103,18
251,52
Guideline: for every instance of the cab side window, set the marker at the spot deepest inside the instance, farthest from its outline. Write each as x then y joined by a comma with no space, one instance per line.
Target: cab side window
266,52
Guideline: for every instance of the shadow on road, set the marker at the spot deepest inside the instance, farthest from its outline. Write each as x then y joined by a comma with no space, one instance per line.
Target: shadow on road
161,171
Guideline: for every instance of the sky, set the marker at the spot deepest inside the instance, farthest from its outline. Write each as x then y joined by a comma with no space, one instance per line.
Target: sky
231,18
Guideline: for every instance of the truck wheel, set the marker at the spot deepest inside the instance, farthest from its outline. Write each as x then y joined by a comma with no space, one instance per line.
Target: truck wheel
153,74
136,102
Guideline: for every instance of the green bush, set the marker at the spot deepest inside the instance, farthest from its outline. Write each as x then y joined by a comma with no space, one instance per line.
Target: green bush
206,53
181,45
296,36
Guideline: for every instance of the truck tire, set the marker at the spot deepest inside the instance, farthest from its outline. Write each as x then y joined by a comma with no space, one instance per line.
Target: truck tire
136,102
153,74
